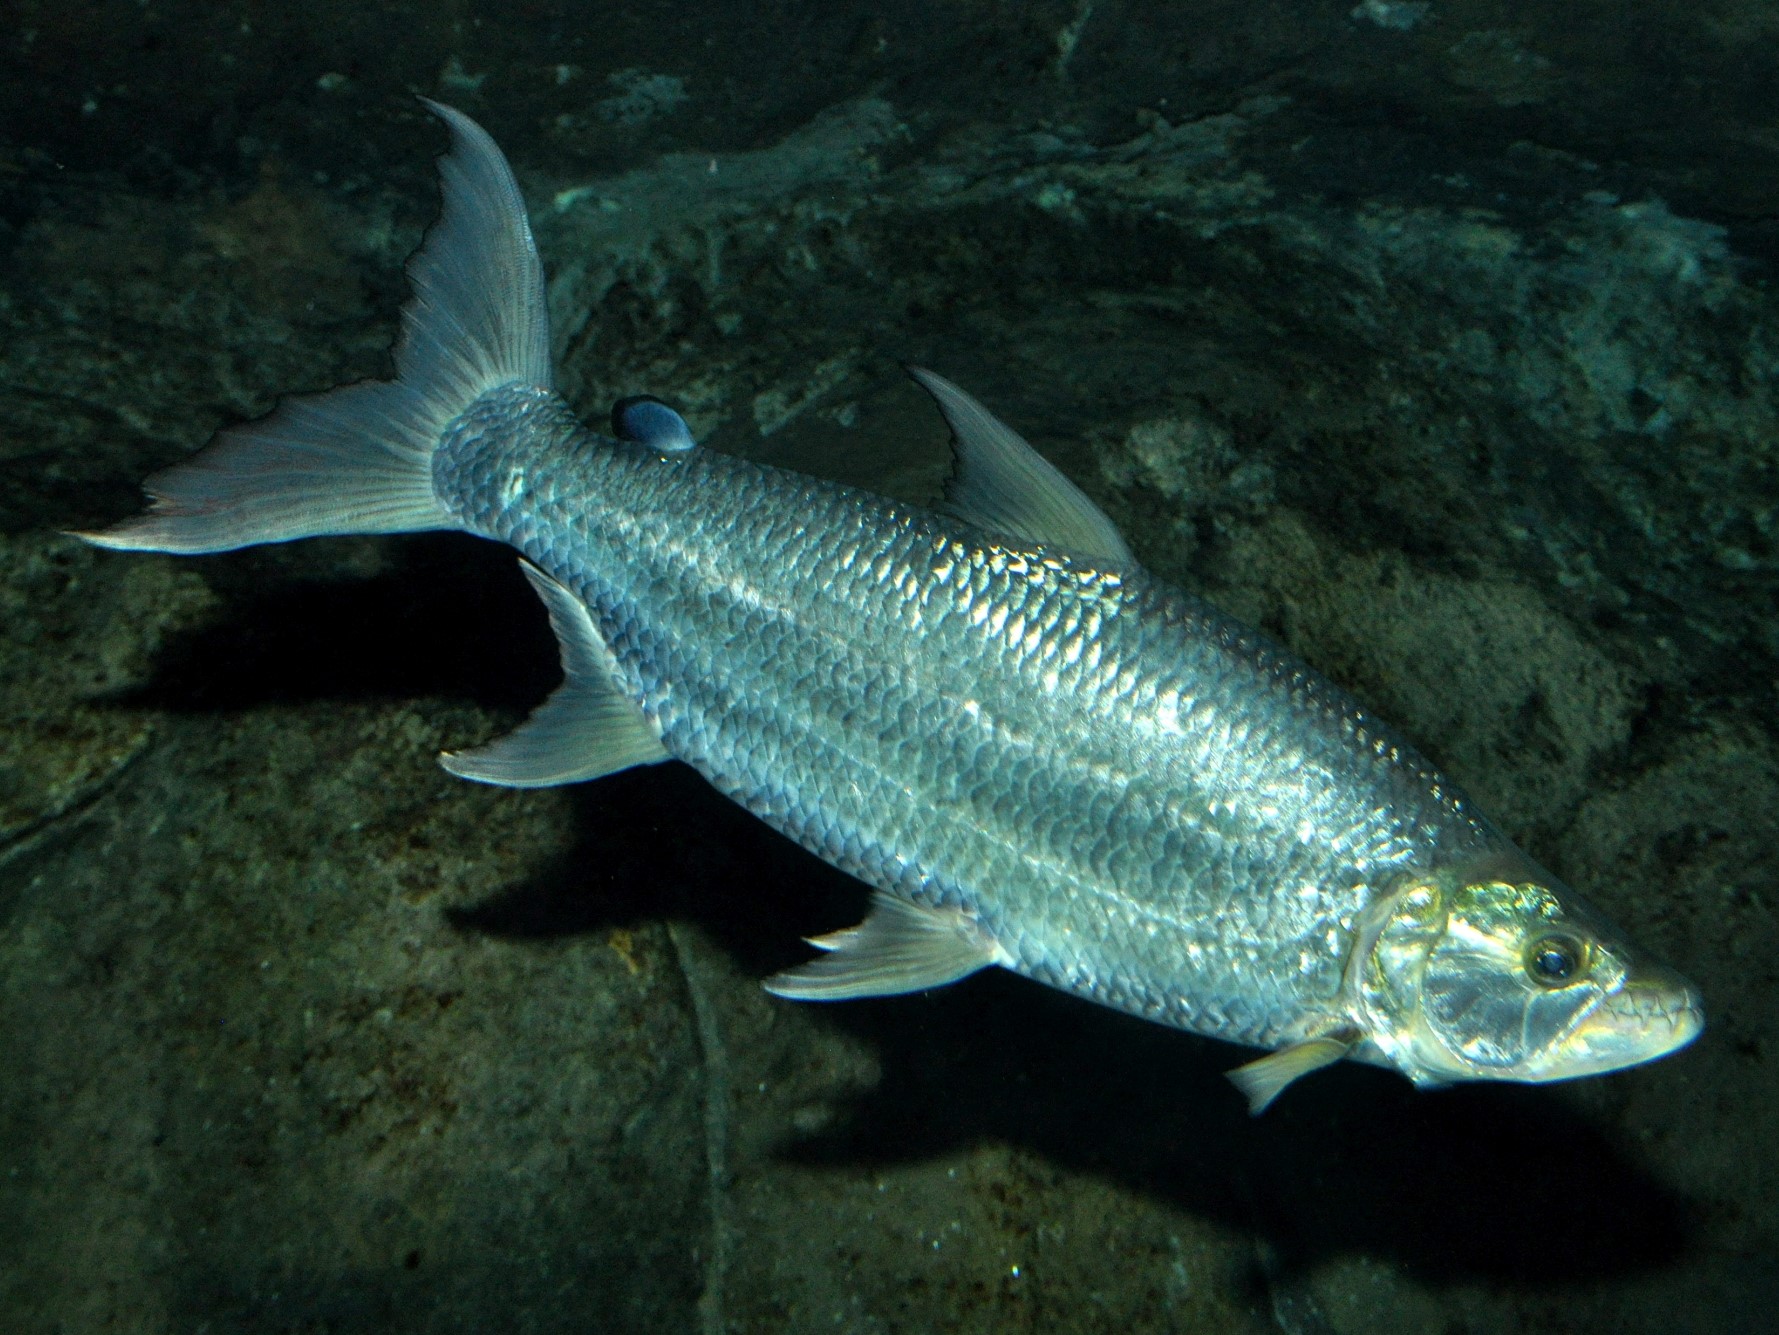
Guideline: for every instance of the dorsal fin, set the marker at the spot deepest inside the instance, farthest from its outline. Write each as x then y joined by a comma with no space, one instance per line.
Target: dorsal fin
1001,484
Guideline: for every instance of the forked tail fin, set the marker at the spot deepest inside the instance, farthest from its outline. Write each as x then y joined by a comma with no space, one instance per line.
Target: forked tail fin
359,459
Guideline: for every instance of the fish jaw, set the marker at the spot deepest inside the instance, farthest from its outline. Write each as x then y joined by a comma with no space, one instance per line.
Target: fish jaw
1654,1013
1472,975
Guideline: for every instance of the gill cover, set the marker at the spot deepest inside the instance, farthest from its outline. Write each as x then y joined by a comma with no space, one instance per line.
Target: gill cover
1485,978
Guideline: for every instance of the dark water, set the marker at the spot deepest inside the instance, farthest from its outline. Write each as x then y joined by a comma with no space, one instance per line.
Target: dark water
1437,339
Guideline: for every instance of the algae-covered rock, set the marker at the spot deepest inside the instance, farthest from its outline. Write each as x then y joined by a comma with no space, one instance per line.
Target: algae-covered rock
1436,340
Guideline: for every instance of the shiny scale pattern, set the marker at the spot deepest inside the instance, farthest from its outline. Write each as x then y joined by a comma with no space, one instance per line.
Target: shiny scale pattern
1141,801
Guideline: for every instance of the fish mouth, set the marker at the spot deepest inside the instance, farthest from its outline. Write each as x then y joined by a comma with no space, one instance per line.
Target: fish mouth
1653,1013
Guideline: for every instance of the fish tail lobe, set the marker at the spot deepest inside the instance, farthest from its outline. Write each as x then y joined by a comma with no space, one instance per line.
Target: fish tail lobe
358,459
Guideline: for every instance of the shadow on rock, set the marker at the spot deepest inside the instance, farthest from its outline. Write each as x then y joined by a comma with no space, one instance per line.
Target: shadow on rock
441,617
1503,1184
660,843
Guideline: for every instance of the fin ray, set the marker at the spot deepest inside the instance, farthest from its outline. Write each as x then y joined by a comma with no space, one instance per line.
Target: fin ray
585,730
358,459
350,460
1264,1079
1003,485
478,317
899,947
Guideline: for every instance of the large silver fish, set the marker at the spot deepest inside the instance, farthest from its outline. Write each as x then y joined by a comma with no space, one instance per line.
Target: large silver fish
1038,755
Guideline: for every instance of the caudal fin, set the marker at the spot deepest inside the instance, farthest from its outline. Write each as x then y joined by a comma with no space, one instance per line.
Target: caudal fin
359,459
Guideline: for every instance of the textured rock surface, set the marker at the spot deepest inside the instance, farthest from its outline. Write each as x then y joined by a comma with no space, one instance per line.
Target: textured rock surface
1435,339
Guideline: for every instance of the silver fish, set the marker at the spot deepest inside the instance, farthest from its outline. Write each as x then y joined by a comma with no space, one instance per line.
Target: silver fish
1037,754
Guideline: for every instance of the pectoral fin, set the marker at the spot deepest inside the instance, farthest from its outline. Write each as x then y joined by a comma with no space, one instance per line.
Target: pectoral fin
1262,1080
900,947
588,728
1001,484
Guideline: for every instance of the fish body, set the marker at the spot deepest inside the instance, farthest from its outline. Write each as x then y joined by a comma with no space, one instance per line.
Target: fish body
1122,787
1039,755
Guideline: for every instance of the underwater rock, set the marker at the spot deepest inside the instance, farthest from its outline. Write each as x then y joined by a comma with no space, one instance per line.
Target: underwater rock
1453,370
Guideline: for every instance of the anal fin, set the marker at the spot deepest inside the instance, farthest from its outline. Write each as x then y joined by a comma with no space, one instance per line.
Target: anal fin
899,947
587,729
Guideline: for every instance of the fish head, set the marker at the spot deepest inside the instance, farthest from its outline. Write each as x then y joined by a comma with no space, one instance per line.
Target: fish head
1491,977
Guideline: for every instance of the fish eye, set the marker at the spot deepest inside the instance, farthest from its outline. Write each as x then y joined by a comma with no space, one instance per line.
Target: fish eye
1555,960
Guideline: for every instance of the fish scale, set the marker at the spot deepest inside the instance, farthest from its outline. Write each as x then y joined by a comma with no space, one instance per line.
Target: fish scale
973,725
1039,755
